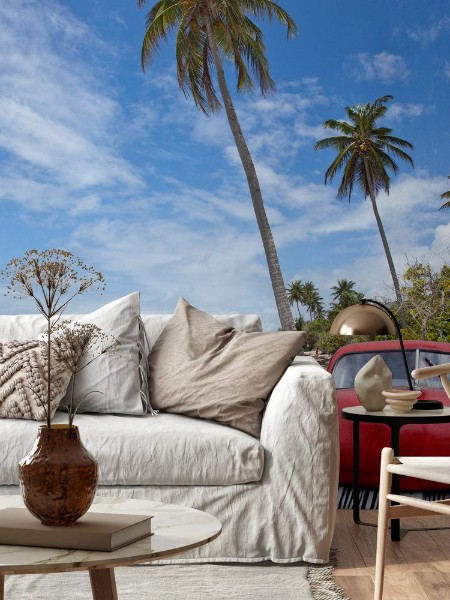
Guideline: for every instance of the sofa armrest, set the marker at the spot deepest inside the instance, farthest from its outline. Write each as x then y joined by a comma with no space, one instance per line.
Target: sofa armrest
302,403
301,444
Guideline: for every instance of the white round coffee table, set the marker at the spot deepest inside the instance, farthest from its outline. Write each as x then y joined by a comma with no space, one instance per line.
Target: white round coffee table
176,529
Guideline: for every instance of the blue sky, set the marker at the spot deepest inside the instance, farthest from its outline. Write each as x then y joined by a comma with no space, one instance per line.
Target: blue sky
118,167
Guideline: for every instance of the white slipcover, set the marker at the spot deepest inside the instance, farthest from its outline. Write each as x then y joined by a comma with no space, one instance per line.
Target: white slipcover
164,449
289,514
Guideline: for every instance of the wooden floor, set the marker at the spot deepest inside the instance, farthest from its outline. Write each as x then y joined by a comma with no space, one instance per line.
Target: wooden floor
417,567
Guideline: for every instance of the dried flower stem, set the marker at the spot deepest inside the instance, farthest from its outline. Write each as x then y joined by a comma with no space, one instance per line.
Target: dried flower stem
53,278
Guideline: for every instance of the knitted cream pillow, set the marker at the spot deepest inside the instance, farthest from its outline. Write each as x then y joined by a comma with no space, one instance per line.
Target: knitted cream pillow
23,381
202,368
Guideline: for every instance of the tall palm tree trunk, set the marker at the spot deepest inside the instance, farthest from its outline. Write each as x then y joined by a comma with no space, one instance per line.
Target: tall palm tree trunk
276,277
385,245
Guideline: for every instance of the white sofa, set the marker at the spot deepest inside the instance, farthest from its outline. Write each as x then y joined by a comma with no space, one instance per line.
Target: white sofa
275,496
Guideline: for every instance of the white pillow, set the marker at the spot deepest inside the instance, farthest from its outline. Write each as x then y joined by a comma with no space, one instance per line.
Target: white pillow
21,328
117,374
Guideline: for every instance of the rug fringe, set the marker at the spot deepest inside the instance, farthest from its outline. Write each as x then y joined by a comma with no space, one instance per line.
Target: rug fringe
321,582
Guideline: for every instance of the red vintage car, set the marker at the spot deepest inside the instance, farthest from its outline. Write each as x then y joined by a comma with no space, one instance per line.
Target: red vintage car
415,440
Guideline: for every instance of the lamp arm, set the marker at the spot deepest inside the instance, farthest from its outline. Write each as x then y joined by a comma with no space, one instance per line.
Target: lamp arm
399,333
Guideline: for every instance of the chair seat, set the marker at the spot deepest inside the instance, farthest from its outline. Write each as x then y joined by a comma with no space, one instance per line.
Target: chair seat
423,467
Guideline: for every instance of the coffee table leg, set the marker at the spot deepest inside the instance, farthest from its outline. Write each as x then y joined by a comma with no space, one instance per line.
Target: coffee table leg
2,587
103,584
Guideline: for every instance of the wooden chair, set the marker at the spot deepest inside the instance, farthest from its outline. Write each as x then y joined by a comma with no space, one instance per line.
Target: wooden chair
425,467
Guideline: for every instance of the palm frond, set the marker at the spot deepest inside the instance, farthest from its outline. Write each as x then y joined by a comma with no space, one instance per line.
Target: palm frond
383,133
263,8
445,195
194,67
162,18
338,164
350,173
336,142
377,161
398,153
249,49
342,126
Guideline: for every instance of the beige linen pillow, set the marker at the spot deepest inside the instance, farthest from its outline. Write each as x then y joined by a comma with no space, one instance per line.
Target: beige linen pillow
202,368
23,381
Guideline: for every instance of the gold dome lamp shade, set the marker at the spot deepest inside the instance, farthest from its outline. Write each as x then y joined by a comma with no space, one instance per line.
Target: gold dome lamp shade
363,319
370,317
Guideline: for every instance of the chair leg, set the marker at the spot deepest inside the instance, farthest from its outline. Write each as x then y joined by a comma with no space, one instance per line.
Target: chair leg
387,456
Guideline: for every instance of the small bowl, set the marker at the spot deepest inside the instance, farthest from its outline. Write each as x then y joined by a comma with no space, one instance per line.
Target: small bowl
401,401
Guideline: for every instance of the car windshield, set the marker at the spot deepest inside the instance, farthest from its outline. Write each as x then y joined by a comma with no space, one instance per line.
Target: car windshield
348,365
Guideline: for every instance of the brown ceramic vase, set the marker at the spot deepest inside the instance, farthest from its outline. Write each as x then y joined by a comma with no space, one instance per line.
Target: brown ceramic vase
58,477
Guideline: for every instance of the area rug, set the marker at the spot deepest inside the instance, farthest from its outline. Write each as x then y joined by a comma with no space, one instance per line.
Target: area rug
368,497
260,581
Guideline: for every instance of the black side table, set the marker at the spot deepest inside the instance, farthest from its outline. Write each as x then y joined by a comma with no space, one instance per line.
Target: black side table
395,422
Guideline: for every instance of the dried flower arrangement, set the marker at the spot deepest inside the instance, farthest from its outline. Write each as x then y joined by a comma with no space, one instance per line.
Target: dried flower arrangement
76,345
53,278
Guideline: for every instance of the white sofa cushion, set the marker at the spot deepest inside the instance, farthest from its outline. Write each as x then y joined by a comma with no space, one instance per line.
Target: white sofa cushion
164,449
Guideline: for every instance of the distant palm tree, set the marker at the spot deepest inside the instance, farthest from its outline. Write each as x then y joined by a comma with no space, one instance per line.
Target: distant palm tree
342,286
312,300
364,152
349,297
446,195
209,31
305,294
295,294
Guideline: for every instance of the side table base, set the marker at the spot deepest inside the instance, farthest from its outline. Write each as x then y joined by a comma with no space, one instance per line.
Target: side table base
103,584
358,415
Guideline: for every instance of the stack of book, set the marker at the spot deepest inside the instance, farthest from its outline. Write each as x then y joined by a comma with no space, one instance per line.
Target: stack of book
93,531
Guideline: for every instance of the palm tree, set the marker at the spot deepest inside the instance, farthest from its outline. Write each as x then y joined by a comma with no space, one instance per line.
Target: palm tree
364,154
209,31
295,295
312,300
446,195
342,287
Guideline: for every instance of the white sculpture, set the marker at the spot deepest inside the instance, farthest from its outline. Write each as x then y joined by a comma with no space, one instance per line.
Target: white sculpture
374,377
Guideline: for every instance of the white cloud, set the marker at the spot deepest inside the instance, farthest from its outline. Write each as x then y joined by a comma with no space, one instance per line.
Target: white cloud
166,82
87,204
441,243
55,147
428,35
213,268
408,111
213,130
57,126
447,69
384,66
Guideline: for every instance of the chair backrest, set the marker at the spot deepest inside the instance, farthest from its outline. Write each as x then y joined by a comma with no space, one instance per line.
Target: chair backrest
435,371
